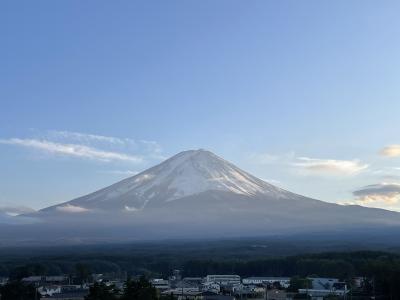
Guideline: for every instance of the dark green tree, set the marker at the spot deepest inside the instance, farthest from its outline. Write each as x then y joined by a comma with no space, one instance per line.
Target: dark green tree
100,291
16,290
139,290
297,283
82,272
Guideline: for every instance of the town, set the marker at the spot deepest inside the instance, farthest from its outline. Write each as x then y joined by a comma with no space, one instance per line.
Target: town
210,287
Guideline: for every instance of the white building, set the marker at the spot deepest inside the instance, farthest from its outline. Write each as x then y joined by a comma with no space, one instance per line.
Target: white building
160,284
33,279
223,279
46,291
211,287
322,287
283,281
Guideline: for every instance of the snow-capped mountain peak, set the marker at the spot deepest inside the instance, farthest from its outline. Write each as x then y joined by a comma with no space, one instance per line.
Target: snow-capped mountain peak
195,171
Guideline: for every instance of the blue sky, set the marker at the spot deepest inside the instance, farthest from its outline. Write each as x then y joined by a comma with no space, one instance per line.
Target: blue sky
304,94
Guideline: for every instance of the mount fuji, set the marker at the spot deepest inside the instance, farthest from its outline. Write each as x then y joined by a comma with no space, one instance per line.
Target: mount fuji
187,174
197,194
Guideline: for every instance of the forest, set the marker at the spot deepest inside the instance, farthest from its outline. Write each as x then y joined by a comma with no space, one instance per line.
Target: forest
244,258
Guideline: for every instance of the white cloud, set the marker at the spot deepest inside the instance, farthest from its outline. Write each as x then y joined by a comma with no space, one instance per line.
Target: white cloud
309,165
131,208
16,210
71,209
145,146
330,166
93,146
391,151
384,193
74,150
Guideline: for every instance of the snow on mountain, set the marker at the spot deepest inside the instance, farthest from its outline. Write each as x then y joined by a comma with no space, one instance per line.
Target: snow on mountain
185,174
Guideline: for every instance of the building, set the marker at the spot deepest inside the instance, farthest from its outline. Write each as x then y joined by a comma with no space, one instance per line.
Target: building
35,280
46,280
184,293
189,282
49,290
193,280
160,284
322,287
211,287
223,279
78,294
283,281
3,280
61,279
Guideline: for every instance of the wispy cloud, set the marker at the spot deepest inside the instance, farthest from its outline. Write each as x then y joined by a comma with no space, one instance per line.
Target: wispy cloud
391,151
74,150
71,209
385,193
87,138
90,146
16,210
95,140
330,166
309,165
